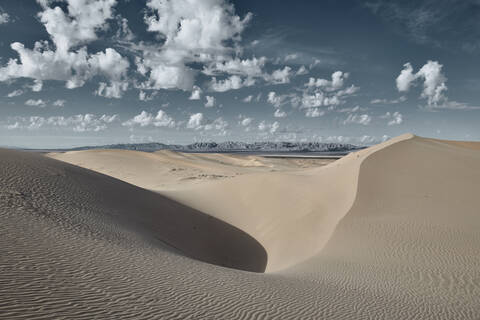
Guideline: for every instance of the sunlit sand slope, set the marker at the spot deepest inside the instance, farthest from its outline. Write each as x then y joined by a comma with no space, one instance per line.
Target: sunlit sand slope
390,232
167,170
291,213
413,233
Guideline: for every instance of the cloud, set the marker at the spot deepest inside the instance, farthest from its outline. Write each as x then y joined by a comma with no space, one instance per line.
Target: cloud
247,67
218,124
431,21
434,86
4,18
143,96
210,102
276,100
123,32
274,127
314,113
363,119
79,24
15,93
195,26
234,82
279,76
395,118
405,78
164,76
59,103
301,71
196,93
291,56
352,109
109,118
326,93
279,114
248,99
78,123
112,90
434,82
268,127
279,100
338,79
37,85
36,103
388,101
13,126
246,122
147,119
195,121
192,31
114,67
67,30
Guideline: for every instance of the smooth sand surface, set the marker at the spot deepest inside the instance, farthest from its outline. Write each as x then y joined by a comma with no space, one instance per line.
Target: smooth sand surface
167,170
389,232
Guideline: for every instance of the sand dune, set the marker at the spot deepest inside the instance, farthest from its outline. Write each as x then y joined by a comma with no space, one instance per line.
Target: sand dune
167,170
389,232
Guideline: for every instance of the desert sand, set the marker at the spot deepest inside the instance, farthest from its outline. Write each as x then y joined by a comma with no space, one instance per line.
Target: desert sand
388,232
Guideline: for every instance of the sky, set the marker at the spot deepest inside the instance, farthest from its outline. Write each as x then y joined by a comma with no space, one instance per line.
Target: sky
94,72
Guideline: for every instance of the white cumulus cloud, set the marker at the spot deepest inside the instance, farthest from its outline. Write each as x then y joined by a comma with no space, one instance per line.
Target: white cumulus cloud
78,123
196,93
67,61
210,101
434,85
394,118
59,103
161,119
195,121
248,99
326,93
15,93
234,82
193,31
36,103
363,119
4,18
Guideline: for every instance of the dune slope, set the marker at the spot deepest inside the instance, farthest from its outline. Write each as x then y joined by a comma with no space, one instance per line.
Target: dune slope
168,170
390,232
83,198
292,214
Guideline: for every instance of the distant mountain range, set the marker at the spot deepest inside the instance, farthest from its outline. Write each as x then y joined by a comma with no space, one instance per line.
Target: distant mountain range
231,146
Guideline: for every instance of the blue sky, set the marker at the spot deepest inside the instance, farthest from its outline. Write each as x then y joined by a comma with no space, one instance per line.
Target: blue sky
88,72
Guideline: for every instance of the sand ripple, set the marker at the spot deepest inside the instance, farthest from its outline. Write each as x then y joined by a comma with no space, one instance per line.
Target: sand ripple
73,247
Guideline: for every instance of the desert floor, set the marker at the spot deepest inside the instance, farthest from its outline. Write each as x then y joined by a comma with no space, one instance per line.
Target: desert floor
388,232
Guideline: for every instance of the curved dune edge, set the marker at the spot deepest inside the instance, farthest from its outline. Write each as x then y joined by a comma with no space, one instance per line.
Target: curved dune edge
151,215
407,247
413,228
292,214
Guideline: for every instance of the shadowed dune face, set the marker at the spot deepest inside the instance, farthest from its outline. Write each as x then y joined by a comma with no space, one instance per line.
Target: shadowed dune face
389,232
45,186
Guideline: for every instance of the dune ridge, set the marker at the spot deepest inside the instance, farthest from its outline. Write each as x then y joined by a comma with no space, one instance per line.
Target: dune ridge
273,207
389,232
262,204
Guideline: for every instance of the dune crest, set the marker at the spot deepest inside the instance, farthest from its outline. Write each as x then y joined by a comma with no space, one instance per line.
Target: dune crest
263,204
292,214
389,232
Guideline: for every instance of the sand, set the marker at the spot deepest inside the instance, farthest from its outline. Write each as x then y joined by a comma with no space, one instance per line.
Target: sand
389,232
167,170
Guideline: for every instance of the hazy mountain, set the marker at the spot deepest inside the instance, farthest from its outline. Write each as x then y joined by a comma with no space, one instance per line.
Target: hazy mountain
232,146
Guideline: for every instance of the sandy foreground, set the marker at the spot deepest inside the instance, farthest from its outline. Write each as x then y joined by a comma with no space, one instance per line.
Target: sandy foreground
388,232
